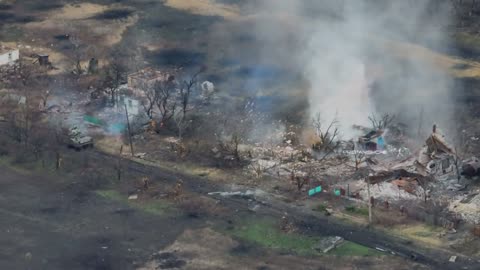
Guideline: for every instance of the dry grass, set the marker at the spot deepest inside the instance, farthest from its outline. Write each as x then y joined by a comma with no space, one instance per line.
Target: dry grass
77,12
205,7
208,249
446,63
424,234
77,20
82,16
111,145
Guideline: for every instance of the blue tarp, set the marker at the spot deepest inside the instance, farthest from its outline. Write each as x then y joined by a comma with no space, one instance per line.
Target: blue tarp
380,143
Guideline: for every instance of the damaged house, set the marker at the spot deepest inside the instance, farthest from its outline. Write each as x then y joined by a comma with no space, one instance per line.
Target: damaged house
372,141
8,56
147,77
437,157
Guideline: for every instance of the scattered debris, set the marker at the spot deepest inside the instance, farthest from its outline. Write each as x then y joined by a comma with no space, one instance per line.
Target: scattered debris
140,155
329,243
133,197
246,194
372,141
147,76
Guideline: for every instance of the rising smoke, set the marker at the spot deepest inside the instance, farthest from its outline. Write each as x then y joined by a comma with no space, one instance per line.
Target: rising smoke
357,57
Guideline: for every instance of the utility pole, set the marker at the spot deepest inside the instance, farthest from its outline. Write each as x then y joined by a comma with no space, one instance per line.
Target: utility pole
369,200
129,131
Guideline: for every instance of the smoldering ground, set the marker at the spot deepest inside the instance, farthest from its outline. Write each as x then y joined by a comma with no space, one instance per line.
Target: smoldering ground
353,57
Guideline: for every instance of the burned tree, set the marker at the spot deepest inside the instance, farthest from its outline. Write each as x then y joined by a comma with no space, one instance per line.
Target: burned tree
327,138
113,78
234,127
298,177
58,142
381,123
24,113
181,123
77,49
150,99
359,158
186,90
165,98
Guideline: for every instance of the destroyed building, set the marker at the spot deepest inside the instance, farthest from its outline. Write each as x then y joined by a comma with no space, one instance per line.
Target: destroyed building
437,157
147,77
372,141
8,56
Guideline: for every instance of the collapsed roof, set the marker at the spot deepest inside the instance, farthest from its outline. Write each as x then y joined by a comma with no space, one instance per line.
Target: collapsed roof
436,144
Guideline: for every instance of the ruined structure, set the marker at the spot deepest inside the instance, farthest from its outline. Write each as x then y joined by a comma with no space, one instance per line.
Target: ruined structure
8,56
147,77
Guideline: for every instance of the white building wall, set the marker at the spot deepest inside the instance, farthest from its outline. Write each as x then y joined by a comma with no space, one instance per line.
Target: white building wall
9,57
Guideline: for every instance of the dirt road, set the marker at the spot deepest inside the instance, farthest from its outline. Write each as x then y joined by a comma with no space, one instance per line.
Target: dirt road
63,226
318,224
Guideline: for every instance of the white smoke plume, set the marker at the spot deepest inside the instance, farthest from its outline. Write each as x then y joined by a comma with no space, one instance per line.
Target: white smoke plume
349,53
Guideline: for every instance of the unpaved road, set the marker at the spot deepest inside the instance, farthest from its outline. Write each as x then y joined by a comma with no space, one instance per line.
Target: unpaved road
48,226
316,224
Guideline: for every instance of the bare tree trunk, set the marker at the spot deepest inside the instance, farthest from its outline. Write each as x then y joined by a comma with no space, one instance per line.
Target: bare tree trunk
119,164
58,160
129,131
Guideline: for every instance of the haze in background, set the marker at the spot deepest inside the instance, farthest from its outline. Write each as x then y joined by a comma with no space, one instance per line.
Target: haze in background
343,51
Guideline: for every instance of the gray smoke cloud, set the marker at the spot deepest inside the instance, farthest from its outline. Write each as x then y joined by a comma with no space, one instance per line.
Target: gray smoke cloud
356,56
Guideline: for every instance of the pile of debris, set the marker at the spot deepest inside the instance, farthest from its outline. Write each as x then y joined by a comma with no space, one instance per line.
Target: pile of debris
468,208
411,178
372,141
437,157
329,243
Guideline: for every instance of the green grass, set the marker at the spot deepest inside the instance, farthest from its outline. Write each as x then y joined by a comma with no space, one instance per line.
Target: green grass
266,233
154,207
111,195
357,210
424,234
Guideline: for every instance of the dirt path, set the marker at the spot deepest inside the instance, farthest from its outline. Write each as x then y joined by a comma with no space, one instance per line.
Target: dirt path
50,224
313,224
